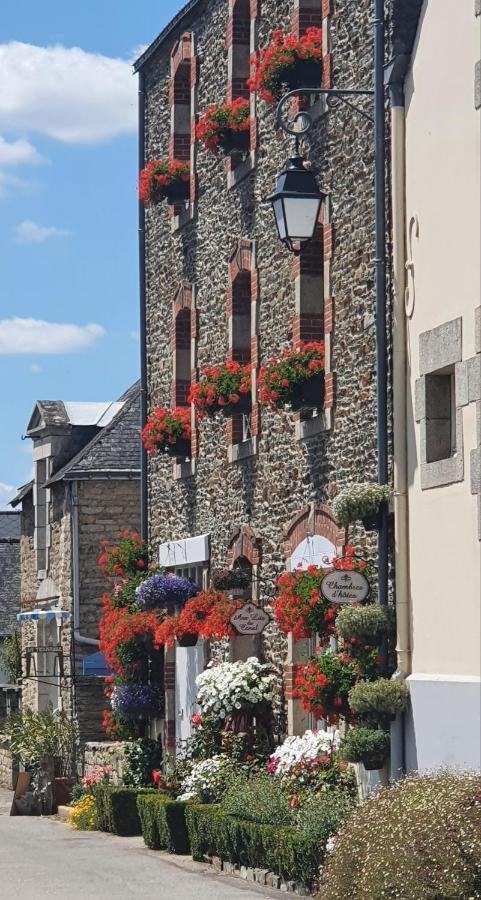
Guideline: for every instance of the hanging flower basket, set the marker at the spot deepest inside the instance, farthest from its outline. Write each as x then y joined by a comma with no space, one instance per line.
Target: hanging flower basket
367,745
296,379
165,591
361,502
300,607
226,128
135,701
224,388
188,640
168,431
207,615
161,180
323,685
231,579
286,64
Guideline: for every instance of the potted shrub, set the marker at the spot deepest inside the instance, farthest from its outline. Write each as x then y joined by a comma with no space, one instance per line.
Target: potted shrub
296,379
225,388
168,431
161,180
379,701
367,745
287,63
225,128
364,623
362,502
301,608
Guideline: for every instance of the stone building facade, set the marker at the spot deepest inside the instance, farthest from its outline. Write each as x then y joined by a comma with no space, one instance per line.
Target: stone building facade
215,270
87,491
9,578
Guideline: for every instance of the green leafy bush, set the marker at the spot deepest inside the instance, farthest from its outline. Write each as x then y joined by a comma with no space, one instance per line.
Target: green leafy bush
117,809
323,815
142,757
163,823
417,840
378,701
358,501
259,799
367,745
11,656
285,851
364,623
36,735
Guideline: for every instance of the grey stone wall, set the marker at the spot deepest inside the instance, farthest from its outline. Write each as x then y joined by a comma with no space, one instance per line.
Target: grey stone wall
267,490
104,753
8,766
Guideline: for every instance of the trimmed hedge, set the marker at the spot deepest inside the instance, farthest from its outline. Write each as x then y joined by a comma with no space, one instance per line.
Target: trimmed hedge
282,850
163,823
117,809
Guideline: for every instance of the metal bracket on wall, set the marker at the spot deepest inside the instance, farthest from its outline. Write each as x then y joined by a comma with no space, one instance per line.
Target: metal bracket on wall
327,101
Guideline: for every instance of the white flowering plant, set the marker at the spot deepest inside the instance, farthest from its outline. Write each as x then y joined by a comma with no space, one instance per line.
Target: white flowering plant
359,501
227,689
310,763
207,780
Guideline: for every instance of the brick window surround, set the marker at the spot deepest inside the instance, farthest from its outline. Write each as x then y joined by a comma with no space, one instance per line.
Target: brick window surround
242,322
183,107
184,333
241,43
245,546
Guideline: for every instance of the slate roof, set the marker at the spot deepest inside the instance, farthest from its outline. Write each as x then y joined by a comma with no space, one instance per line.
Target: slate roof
9,571
115,449
21,493
64,413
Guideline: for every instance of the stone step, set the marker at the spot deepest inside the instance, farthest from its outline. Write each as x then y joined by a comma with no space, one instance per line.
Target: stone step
64,812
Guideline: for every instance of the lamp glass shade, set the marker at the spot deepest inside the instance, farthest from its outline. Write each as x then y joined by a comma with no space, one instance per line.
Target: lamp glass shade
301,215
278,207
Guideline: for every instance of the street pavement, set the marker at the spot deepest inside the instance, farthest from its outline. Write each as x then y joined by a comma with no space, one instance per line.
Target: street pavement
45,858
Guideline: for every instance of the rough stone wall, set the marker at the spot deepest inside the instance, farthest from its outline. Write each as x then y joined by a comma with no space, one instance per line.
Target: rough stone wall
267,490
8,766
103,753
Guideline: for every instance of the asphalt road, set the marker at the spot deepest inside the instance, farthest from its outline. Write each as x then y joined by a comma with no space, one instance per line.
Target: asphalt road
45,858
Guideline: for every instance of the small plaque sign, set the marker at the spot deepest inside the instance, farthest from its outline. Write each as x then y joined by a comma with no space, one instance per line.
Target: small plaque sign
249,619
340,586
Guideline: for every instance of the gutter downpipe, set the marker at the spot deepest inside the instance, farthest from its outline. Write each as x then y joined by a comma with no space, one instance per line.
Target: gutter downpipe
78,638
380,268
144,509
395,81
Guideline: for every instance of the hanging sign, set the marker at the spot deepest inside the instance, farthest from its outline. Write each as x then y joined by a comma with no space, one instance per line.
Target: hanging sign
340,586
249,619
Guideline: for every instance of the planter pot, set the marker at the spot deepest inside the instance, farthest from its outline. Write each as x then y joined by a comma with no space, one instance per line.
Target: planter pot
180,448
305,73
62,790
234,142
177,193
373,521
188,640
308,394
372,763
237,593
243,406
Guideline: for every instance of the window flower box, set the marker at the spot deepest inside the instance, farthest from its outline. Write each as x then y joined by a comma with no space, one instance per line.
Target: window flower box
168,431
161,180
286,64
296,379
224,388
226,128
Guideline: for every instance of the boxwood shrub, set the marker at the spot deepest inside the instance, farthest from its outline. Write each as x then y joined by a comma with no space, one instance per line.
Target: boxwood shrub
163,823
285,851
117,809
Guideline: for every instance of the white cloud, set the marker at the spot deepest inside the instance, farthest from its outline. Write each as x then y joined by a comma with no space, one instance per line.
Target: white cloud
66,93
18,153
28,232
35,368
40,338
7,493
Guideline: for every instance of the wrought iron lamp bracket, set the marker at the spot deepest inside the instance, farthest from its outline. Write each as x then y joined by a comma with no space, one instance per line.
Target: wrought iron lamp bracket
305,119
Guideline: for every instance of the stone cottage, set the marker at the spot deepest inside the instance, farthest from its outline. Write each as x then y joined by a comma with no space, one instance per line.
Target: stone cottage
217,284
85,488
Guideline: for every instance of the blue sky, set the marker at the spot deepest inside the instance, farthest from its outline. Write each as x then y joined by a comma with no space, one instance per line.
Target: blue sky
68,207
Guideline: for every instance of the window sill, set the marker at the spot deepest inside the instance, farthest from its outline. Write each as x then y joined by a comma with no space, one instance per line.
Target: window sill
180,221
307,428
237,452
242,171
184,469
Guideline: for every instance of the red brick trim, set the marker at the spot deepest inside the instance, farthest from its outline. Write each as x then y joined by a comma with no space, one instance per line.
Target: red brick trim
330,390
327,71
290,672
307,522
329,315
244,543
241,258
328,241
326,8
181,52
306,15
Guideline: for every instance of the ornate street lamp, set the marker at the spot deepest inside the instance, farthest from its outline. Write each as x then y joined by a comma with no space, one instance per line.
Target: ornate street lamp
296,204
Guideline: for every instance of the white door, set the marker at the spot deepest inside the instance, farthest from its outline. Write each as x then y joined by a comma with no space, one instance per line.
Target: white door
189,662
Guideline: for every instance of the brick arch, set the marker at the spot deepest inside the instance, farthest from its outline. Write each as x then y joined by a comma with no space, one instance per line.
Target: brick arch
241,259
314,519
244,543
182,298
181,52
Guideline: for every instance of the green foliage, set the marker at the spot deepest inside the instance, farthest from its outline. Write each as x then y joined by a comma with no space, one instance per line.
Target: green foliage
117,809
142,757
419,839
378,701
286,851
11,657
364,622
367,745
34,736
359,501
163,823
258,799
323,815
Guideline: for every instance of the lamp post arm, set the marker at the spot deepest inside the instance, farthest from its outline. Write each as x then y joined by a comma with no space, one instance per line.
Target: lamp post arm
304,120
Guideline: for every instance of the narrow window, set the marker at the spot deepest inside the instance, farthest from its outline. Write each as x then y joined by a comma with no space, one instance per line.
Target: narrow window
440,415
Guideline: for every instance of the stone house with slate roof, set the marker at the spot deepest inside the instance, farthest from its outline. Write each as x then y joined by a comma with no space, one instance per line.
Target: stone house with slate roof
216,283
85,488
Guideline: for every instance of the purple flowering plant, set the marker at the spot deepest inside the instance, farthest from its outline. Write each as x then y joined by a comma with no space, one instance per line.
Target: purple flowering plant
164,590
132,700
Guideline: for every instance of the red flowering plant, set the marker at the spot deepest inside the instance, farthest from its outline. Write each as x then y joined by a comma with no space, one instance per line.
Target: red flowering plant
323,685
300,607
161,180
126,636
350,561
119,729
207,615
224,388
287,63
293,379
168,430
225,127
126,558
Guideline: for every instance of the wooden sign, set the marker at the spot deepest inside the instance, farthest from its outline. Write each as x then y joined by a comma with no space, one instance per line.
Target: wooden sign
249,619
340,586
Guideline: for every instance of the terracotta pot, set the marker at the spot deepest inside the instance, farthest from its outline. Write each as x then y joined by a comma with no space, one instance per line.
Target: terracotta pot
308,394
305,73
188,640
234,141
63,790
